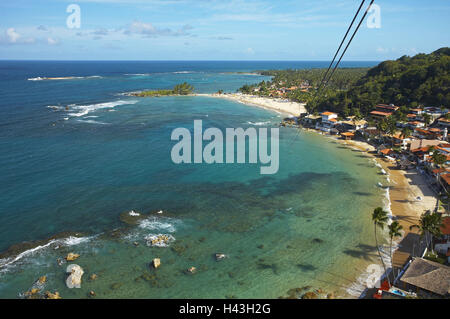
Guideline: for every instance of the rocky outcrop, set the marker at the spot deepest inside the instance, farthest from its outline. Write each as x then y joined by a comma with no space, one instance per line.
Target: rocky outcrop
74,279
159,240
49,295
156,263
72,256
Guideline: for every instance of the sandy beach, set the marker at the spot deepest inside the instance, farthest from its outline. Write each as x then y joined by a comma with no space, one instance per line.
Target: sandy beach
283,106
410,196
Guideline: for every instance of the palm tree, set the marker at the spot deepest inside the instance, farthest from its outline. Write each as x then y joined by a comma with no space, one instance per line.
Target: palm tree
429,225
380,218
394,231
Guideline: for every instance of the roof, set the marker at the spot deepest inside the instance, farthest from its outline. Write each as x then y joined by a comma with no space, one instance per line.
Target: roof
388,107
328,113
428,275
347,134
381,113
415,144
446,178
422,131
386,151
439,170
332,120
446,226
421,149
434,129
416,110
443,119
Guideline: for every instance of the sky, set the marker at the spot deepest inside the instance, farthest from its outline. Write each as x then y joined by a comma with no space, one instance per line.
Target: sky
218,29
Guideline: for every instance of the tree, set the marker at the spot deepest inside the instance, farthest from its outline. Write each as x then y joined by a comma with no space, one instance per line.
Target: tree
183,89
439,158
406,132
429,225
426,119
394,232
380,218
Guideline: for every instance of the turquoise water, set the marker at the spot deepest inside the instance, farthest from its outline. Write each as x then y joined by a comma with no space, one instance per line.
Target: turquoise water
77,170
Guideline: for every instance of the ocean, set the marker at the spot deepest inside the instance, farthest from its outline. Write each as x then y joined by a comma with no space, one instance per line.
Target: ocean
76,155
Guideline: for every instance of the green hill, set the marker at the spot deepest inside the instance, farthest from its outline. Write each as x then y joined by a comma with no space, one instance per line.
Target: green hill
409,81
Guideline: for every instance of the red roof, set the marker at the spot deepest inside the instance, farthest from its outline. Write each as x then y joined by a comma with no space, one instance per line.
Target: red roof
446,226
387,107
328,113
422,149
386,151
446,178
380,113
439,170
421,130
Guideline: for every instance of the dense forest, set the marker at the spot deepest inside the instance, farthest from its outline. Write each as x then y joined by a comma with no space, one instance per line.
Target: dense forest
409,82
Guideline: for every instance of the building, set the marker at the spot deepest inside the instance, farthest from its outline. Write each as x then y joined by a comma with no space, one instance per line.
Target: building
329,121
348,135
426,278
444,122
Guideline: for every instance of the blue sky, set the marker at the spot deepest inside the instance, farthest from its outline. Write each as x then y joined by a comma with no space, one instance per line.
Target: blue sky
217,29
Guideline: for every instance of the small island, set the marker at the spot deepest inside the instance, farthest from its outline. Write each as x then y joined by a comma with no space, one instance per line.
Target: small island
179,89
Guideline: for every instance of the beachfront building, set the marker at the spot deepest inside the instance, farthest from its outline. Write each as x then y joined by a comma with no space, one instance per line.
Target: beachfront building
383,111
444,122
426,278
350,124
311,120
416,124
348,135
329,121
442,246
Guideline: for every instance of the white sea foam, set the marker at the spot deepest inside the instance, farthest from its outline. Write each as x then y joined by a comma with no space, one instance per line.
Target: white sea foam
258,123
93,122
62,78
160,224
5,263
86,109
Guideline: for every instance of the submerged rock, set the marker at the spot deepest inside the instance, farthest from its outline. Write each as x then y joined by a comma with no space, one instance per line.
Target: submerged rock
220,256
192,270
42,280
93,277
49,295
310,295
156,263
72,256
74,279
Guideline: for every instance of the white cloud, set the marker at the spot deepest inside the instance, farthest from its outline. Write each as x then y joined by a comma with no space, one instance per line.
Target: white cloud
249,51
149,30
52,41
12,35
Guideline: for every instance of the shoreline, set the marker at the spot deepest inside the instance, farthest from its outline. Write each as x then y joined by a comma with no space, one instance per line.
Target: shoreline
289,108
403,190
408,195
